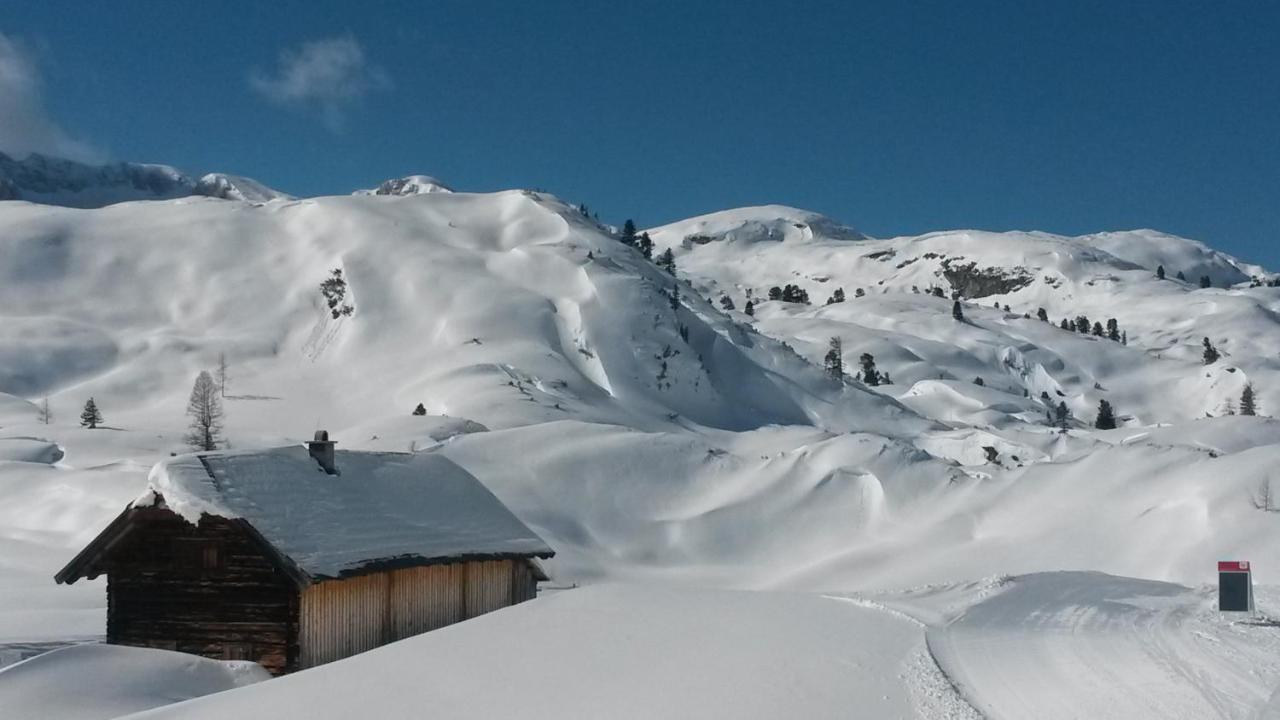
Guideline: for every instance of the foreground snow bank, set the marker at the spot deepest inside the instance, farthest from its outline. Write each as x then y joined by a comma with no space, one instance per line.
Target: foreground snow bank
84,682
623,652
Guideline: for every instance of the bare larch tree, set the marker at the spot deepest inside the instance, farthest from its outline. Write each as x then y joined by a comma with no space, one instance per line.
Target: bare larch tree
205,410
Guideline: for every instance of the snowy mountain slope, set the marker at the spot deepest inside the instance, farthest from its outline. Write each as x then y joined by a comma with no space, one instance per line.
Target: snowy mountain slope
1163,320
408,185
55,181
235,187
659,442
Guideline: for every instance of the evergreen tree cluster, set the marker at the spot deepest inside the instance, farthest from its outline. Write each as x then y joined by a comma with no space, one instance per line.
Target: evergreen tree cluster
334,290
836,297
790,293
1210,353
870,375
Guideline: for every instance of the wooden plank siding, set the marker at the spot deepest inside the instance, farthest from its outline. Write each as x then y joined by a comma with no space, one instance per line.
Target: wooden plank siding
340,618
161,594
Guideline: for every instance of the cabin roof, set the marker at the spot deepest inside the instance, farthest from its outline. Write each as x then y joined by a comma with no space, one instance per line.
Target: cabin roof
382,510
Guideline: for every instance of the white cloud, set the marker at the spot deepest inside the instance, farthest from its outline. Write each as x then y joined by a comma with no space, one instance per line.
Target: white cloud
25,123
325,75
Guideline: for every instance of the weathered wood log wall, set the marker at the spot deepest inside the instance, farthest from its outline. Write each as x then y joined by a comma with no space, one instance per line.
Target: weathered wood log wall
159,594
340,618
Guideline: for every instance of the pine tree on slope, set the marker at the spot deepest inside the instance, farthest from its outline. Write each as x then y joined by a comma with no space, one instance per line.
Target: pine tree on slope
1062,415
834,360
91,417
1248,405
957,311
1106,416
628,236
1210,353
870,375
645,244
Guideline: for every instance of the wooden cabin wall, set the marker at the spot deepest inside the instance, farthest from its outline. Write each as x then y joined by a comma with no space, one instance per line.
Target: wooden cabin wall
158,595
340,618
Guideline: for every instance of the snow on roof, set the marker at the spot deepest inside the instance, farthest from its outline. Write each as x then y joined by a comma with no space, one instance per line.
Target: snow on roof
380,507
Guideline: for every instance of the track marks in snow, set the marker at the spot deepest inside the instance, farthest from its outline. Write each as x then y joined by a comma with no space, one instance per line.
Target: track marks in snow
1089,645
933,695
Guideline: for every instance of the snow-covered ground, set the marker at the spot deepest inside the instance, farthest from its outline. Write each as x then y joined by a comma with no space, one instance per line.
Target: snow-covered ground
744,529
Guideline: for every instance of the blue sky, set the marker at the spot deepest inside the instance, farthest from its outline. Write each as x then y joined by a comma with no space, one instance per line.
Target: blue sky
895,117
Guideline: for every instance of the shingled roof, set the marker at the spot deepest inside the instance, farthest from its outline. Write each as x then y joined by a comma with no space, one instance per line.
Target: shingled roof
379,510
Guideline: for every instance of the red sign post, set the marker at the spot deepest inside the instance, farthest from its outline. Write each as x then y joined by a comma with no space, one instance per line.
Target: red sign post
1235,586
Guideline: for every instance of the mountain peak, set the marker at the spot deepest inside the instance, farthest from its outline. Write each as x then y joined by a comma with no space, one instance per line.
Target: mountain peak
408,185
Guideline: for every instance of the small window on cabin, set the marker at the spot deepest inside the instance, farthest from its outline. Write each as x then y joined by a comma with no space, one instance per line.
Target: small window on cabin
237,651
195,556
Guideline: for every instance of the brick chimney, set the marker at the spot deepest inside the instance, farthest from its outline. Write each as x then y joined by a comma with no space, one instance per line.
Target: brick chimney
321,448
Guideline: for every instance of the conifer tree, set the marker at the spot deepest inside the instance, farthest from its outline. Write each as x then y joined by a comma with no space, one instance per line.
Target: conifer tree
1097,329
667,261
1062,415
870,375
91,417
750,308
645,245
628,235
1065,325
1181,276
726,302
1204,281
859,292
1210,353
775,293
957,311
204,407
675,295
834,360
1248,404
43,413
1082,325
1044,316
1106,416
1159,272
836,297
1113,329
420,410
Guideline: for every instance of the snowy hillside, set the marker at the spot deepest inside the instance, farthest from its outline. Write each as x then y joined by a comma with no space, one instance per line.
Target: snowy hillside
663,443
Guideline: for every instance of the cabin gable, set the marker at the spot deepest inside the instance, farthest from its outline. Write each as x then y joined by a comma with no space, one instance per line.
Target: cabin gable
208,589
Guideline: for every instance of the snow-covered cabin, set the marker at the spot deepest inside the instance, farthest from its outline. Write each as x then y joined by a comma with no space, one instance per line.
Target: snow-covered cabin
297,556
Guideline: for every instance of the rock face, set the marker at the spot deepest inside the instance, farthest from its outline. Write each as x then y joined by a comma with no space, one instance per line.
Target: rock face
974,282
